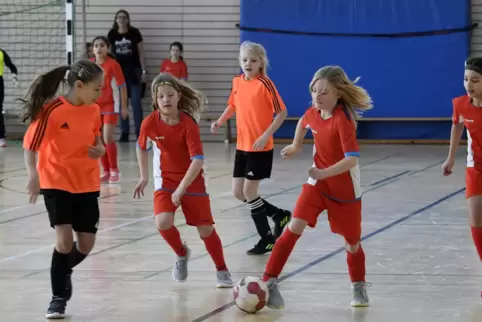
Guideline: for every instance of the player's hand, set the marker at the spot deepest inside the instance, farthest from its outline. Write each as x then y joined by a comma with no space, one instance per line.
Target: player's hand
96,151
447,167
315,173
176,197
260,142
289,151
33,187
214,127
139,189
124,113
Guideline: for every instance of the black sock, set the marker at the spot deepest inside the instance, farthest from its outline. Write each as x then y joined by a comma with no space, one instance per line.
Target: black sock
58,272
272,210
75,257
260,218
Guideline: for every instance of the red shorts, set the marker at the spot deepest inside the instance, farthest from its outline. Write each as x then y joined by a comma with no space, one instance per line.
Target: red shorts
473,182
110,118
196,209
344,217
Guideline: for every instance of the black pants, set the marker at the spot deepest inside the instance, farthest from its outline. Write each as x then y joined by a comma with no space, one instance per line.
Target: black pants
2,96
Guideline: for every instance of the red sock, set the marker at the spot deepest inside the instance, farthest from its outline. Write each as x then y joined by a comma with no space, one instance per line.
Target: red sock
112,154
281,251
477,236
104,160
356,265
173,238
215,249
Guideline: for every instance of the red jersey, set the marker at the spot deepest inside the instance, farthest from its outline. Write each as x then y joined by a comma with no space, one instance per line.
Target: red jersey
109,100
335,139
465,112
177,69
175,146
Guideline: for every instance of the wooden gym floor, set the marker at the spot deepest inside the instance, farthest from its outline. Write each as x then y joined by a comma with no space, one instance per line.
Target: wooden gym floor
420,256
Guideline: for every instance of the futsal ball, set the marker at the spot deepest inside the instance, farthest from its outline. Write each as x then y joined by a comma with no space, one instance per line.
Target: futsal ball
250,294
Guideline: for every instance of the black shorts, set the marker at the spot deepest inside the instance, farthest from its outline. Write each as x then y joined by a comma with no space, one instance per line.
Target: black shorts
253,165
81,210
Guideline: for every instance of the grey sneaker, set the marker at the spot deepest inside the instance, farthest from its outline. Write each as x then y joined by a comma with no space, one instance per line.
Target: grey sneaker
360,296
275,300
224,279
179,271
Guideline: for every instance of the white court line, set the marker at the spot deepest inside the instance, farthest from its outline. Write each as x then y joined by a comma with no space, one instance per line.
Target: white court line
132,222
4,211
11,258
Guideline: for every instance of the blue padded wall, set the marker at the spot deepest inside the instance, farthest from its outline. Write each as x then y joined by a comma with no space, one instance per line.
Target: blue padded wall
407,77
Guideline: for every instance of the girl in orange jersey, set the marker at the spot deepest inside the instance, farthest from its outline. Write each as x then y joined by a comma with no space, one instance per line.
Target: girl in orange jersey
334,179
112,102
178,172
175,65
254,98
65,133
467,113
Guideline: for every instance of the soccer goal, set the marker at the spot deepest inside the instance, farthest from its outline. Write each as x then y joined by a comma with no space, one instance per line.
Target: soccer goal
38,35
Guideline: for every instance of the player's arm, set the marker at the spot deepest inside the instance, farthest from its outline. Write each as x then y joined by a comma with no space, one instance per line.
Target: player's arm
300,133
455,133
142,151
231,107
9,63
194,144
278,107
121,84
33,140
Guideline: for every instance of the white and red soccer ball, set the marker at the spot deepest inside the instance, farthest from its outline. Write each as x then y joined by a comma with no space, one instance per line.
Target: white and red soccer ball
250,294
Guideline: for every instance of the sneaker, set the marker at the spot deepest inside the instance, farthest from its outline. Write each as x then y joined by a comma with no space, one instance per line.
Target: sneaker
56,309
114,176
3,143
105,177
275,300
179,271
281,220
68,286
224,279
360,296
262,247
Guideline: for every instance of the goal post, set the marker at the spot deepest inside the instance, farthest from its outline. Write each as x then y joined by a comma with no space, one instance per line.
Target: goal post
38,35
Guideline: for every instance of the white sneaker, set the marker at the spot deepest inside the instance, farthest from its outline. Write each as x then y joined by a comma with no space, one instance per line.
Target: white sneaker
3,143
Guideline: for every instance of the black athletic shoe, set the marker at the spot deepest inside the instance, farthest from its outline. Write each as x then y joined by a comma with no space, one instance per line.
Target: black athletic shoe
281,220
56,309
262,247
68,286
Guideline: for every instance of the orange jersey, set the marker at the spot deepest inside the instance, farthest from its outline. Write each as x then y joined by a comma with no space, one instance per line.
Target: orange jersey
62,136
471,116
335,139
109,100
177,69
255,102
175,146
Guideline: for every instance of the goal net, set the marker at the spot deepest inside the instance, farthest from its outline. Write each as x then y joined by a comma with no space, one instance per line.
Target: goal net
33,34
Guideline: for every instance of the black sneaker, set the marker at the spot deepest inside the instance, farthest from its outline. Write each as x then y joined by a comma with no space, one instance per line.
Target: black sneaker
262,247
56,309
124,137
281,220
68,286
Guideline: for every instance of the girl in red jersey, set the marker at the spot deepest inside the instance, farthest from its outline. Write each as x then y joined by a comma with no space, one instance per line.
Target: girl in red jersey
467,113
255,99
334,179
112,101
175,65
178,172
